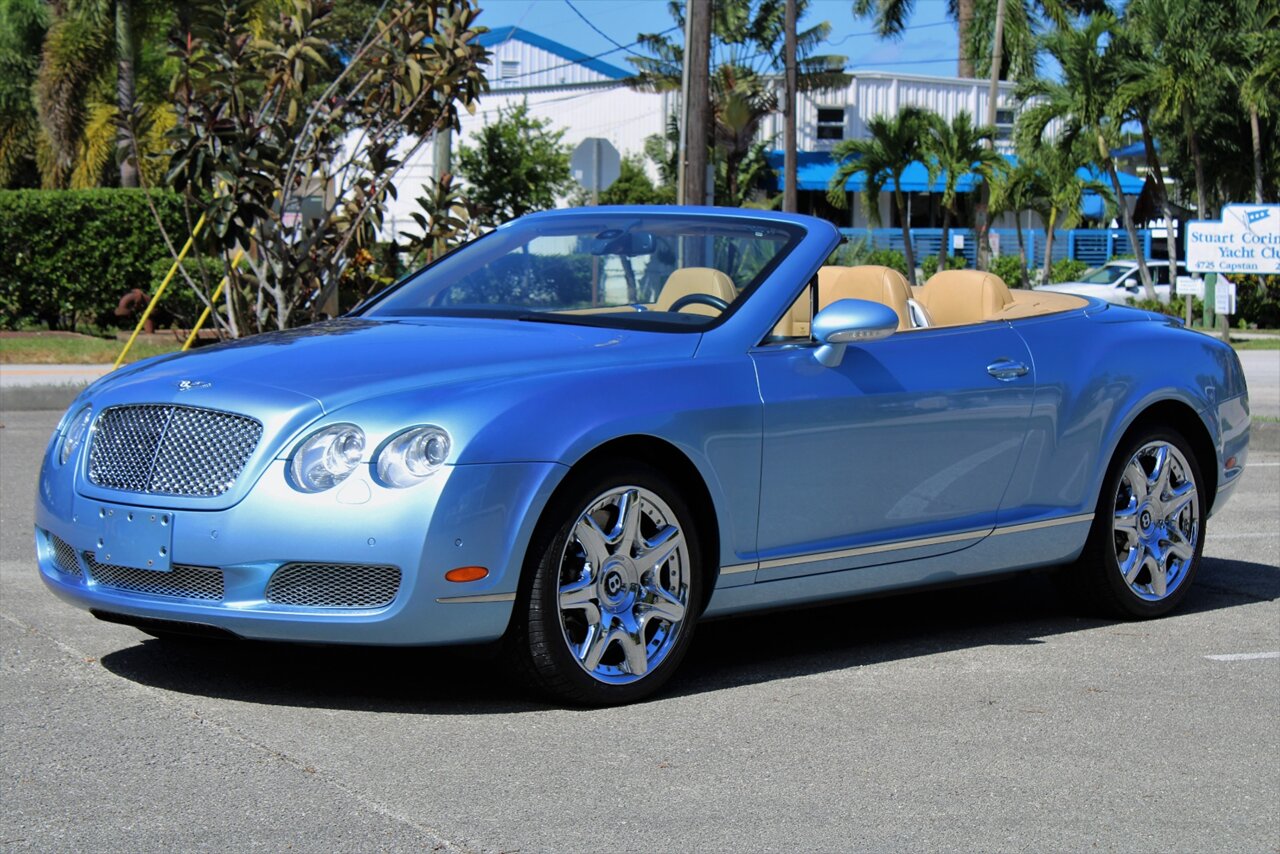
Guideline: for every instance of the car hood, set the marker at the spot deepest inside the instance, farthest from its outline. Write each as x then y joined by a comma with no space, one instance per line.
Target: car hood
340,361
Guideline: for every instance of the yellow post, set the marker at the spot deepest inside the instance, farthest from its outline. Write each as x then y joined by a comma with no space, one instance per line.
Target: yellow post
204,315
186,247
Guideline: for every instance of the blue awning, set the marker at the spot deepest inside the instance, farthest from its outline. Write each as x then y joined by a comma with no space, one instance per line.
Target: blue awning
814,170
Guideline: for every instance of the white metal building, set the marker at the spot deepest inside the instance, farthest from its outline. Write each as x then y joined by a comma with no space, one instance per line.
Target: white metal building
588,97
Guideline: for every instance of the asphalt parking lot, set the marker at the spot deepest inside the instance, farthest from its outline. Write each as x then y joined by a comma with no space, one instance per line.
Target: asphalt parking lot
984,718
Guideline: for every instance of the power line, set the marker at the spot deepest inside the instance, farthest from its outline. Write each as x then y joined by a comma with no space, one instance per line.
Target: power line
877,33
587,58
599,31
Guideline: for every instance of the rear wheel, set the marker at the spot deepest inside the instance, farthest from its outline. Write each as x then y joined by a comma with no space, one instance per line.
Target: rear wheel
615,588
1148,535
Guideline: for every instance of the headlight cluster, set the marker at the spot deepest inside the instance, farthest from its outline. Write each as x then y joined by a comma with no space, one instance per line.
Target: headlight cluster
327,457
74,435
413,456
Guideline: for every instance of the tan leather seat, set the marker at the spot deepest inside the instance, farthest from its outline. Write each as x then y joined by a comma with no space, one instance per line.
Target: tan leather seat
796,323
695,280
959,297
884,285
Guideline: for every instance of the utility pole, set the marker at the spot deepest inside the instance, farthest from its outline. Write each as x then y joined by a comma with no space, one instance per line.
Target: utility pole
789,195
697,56
442,152
993,94
682,147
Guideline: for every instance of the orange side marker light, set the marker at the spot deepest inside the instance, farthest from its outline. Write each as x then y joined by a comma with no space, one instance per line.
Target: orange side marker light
466,573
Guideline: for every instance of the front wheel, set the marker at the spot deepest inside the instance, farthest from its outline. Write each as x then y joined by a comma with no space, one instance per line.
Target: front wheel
615,588
1148,534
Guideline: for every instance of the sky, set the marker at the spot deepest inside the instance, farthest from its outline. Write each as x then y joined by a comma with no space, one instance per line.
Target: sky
928,47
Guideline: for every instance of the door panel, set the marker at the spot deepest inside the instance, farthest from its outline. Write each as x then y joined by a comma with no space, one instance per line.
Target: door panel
911,437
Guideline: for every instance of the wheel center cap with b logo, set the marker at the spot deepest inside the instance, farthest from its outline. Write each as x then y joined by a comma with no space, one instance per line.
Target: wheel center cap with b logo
613,583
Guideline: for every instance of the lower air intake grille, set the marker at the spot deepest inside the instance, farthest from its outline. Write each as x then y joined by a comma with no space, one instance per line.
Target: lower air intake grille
182,582
64,556
332,585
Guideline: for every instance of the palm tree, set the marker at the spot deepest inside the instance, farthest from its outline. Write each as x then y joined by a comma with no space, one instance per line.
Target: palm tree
895,143
96,57
22,27
1022,188
954,151
1257,71
975,20
1186,42
1056,192
1133,53
746,48
1082,101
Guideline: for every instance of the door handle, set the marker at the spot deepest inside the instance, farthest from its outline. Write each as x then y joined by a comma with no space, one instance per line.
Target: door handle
1007,370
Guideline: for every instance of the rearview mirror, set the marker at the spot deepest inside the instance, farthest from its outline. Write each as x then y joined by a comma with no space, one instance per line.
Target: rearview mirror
850,321
628,244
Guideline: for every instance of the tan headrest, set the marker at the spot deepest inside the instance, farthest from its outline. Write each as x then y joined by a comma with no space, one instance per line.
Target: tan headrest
695,280
957,297
827,276
884,285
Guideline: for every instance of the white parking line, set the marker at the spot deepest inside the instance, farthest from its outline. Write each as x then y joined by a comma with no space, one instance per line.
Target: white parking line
1246,536
1243,656
1261,465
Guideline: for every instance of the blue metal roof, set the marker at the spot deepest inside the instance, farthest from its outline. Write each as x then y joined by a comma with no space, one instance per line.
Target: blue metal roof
499,35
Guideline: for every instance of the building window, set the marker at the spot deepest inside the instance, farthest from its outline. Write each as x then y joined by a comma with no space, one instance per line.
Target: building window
1006,117
510,69
830,123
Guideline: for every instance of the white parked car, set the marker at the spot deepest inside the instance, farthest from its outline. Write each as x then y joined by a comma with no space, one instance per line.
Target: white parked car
1119,282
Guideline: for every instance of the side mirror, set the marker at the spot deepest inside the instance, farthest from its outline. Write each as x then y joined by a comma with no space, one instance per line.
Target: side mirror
849,321
1131,284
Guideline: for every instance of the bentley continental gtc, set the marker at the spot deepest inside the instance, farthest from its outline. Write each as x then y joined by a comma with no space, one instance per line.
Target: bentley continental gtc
589,429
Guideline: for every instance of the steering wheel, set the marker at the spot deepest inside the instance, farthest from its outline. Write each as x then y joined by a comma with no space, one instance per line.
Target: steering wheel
699,299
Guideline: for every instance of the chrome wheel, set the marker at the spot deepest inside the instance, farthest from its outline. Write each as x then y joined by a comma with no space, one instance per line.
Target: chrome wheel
623,585
1156,525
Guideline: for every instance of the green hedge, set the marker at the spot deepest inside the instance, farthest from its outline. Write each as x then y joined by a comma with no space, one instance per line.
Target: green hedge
69,255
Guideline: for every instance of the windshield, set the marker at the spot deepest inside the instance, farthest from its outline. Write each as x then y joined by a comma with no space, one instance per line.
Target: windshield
650,271
1105,275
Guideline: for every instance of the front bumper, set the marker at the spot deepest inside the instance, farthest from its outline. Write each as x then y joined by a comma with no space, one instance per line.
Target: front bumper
1233,446
471,515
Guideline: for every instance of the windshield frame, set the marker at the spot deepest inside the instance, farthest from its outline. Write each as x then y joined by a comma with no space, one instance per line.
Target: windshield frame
795,232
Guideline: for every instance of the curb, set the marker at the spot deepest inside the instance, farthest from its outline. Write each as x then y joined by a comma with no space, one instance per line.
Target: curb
39,397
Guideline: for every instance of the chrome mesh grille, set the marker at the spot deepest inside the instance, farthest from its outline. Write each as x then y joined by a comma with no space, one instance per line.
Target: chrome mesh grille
182,582
64,556
170,450
332,585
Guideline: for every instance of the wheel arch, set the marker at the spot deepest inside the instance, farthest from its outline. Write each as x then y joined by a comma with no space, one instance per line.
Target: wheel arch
676,464
1183,418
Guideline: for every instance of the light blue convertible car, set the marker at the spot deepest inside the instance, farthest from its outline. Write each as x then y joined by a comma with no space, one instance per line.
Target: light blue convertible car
589,429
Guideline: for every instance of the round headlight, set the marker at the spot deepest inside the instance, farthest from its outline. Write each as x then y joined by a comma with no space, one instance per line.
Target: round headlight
325,458
413,456
74,435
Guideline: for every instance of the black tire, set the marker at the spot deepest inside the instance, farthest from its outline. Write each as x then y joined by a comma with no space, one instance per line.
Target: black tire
1097,575
539,640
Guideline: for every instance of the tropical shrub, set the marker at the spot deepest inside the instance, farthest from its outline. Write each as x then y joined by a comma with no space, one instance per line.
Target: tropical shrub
1067,270
70,255
1008,268
929,265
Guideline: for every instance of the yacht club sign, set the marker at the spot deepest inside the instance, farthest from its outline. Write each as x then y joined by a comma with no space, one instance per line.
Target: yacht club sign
1245,240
